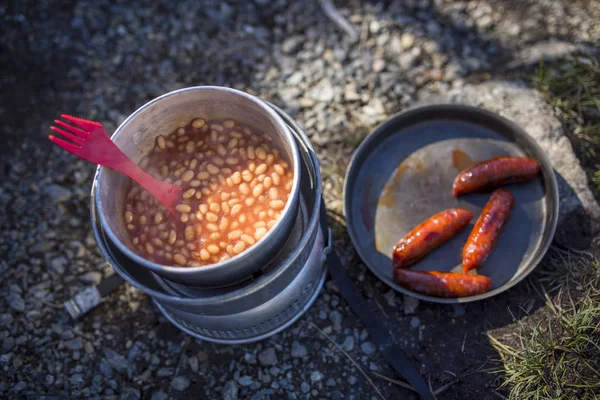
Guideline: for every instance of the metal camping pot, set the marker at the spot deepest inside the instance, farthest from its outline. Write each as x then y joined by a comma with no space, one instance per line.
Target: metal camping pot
136,137
264,303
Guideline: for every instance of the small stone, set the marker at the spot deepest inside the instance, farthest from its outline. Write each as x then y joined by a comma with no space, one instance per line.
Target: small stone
194,365
316,376
373,366
16,302
6,319
298,350
165,371
77,380
407,40
130,393
415,322
49,380
19,386
57,193
180,383
160,395
410,304
8,343
352,380
336,318
250,358
330,382
245,380
390,298
117,361
305,387
348,344
105,369
268,357
74,344
202,356
230,391
92,277
59,264
292,44
368,348
378,65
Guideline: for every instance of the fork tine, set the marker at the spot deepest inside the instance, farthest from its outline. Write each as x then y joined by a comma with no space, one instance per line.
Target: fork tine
77,131
70,147
82,123
74,138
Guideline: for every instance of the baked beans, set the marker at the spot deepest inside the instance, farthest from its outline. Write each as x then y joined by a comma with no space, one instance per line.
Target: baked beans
237,183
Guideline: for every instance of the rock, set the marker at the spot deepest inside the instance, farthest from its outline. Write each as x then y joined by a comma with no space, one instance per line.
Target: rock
194,365
180,383
527,109
74,344
57,193
130,393
16,302
7,319
92,277
368,348
230,391
390,298
298,350
245,380
117,361
336,319
49,380
352,380
8,343
348,344
378,65
105,369
458,310
58,264
330,382
323,91
305,387
410,304
160,395
165,371
292,44
268,357
415,322
316,376
250,358
407,40
77,380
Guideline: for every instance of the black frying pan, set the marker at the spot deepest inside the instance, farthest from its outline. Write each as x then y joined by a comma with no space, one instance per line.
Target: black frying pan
403,172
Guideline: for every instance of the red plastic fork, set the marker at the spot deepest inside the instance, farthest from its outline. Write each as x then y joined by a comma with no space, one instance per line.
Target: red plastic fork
89,141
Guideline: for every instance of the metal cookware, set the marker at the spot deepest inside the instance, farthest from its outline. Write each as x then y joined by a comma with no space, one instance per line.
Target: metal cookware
136,137
403,172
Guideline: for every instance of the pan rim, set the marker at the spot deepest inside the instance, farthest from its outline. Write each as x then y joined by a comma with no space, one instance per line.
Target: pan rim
549,182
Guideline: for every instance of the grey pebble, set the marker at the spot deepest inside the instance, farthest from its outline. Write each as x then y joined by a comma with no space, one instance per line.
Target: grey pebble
59,264
77,380
105,369
8,343
16,302
268,357
49,380
165,371
230,391
316,376
57,193
298,350
130,393
180,383
160,395
92,277
74,344
368,348
305,387
6,319
352,380
415,322
336,318
348,344
250,358
245,380
330,382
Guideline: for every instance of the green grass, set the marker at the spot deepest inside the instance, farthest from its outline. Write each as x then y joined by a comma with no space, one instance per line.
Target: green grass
558,357
572,86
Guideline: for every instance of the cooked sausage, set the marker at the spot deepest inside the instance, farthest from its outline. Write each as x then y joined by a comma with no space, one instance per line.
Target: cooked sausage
495,172
483,237
429,234
442,284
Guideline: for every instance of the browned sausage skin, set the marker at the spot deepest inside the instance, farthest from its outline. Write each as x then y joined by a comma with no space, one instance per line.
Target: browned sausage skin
429,234
442,284
485,233
495,172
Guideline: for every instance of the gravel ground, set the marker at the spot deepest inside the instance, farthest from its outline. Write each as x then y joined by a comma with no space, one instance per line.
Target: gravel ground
103,59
